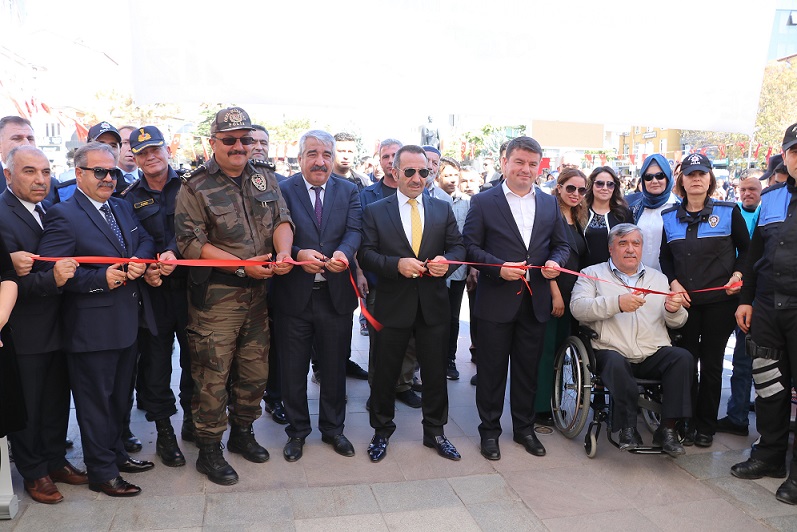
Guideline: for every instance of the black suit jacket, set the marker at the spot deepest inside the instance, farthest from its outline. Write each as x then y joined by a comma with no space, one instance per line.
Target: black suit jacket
385,242
95,317
35,320
339,231
492,237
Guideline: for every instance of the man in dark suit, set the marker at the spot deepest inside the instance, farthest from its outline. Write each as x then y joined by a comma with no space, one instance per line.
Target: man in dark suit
316,301
403,236
101,307
36,329
17,131
513,224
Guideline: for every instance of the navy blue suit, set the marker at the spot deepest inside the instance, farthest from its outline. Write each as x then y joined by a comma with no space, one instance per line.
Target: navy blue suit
36,331
100,324
308,309
510,323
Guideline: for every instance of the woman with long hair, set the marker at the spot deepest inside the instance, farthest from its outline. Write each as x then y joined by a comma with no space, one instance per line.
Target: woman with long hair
606,207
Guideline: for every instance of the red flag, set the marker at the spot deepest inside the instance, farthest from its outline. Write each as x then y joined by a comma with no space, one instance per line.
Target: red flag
644,156
758,147
769,154
603,159
703,151
46,108
741,145
722,150
175,145
588,157
20,111
82,131
632,158
462,148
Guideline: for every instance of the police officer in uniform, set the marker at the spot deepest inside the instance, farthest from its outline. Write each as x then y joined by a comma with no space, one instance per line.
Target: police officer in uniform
153,197
768,311
230,209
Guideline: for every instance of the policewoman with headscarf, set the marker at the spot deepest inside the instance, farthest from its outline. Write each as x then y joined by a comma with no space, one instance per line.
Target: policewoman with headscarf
656,178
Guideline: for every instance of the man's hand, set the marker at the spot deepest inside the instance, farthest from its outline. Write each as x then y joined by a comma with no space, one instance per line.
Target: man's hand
362,283
115,276
153,275
166,269
677,287
135,269
510,273
259,272
631,302
744,316
558,305
735,278
281,267
338,262
673,302
436,269
472,279
550,271
63,270
23,262
411,268
315,258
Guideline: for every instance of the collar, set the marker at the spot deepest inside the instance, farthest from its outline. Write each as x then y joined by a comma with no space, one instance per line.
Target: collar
172,176
640,271
97,204
28,205
705,212
507,191
310,187
402,199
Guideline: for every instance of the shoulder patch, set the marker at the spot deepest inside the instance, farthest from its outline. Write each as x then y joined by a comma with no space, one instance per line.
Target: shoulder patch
130,187
193,173
259,163
144,203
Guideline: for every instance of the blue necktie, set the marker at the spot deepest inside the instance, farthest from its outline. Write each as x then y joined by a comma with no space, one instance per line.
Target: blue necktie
319,207
106,210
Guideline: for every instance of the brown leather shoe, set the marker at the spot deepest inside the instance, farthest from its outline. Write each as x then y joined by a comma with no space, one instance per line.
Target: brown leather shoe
43,490
116,487
69,474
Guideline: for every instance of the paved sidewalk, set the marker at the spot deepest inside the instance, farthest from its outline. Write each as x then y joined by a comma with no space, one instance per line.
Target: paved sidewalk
413,489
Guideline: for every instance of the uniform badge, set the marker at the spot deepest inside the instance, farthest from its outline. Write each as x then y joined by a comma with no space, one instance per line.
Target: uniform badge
143,136
694,159
259,182
235,117
713,220
144,203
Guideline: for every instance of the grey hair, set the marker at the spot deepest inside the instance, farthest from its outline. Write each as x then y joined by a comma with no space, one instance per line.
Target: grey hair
320,136
621,230
82,153
389,142
11,163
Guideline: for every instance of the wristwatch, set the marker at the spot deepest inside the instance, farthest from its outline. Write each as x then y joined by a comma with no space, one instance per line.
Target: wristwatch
240,272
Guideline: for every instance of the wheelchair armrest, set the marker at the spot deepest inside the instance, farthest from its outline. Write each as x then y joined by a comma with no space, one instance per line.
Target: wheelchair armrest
586,332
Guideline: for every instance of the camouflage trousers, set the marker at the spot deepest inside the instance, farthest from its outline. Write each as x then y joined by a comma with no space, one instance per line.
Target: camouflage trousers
231,333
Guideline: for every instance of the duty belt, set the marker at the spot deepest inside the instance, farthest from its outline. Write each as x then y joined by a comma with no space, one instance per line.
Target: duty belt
230,279
757,351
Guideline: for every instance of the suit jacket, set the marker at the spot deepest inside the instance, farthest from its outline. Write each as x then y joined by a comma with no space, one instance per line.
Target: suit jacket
492,237
35,320
339,231
385,242
95,317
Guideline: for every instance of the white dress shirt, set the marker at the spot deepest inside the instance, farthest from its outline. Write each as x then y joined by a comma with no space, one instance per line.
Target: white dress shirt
405,210
523,208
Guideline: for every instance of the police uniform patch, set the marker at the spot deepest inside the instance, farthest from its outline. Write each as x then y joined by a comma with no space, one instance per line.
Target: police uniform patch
713,220
143,136
259,182
144,203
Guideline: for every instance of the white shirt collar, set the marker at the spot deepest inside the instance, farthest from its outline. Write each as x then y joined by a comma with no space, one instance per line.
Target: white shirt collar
639,271
508,191
310,187
28,205
402,199
97,204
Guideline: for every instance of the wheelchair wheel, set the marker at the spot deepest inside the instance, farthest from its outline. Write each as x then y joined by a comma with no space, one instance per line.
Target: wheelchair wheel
591,444
572,387
650,405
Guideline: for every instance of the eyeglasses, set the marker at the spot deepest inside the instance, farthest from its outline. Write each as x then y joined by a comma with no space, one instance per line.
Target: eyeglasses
409,172
658,176
604,184
572,188
100,172
230,141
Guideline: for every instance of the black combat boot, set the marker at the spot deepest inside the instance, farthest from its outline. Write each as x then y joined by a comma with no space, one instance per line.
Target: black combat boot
211,462
188,432
242,441
166,445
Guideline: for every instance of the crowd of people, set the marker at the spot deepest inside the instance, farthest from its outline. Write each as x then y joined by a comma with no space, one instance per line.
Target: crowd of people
93,294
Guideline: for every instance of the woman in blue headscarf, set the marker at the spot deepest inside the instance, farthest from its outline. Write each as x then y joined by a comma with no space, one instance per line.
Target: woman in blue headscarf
657,181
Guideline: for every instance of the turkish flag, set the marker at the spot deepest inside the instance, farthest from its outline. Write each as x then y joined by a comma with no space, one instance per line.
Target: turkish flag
769,154
175,145
722,150
632,158
758,147
588,157
82,131
603,159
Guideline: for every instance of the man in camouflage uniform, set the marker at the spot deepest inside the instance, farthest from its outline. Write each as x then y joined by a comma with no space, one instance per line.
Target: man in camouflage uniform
228,209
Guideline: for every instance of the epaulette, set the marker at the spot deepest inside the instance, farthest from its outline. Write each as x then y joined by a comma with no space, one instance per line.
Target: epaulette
773,187
725,203
263,164
195,172
130,187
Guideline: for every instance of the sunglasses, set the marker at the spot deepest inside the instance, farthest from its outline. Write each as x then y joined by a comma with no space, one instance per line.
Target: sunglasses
658,176
409,172
100,173
230,141
604,184
572,188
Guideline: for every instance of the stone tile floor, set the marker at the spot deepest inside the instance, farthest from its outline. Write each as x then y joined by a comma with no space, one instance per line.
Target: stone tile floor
413,489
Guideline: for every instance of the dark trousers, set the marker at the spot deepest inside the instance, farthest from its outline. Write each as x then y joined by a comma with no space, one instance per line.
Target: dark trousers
705,335
101,383
295,335
455,293
407,373
773,382
391,346
741,382
274,382
672,365
474,326
517,346
39,448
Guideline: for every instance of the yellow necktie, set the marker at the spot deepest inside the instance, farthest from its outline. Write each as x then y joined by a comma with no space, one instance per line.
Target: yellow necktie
417,228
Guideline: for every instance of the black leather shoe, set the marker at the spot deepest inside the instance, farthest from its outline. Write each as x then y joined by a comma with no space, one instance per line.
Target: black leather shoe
116,487
211,462
135,466
69,443
753,469
490,449
729,427
686,431
417,385
444,447
293,449
703,440
629,439
409,398
787,492
667,439
277,411
377,449
354,370
166,445
242,441
340,443
473,379
452,373
531,444
130,442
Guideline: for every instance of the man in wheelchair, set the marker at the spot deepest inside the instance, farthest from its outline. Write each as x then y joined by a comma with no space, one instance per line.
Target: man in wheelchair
633,341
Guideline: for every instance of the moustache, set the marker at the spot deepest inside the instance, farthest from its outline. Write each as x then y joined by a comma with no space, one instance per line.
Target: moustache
319,168
106,184
236,152
38,188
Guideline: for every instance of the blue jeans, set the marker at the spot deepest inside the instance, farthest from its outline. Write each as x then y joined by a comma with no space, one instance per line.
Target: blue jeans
741,382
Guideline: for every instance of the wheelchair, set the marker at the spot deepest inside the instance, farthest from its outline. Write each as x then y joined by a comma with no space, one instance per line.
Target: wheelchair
577,387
